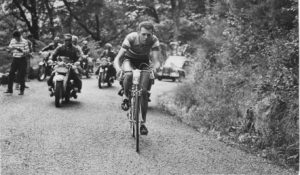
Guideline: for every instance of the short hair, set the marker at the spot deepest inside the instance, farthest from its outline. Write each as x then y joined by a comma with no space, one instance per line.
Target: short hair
16,33
30,36
147,25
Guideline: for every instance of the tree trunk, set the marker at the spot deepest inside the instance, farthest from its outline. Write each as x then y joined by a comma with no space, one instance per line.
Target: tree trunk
49,8
97,37
34,30
32,25
176,11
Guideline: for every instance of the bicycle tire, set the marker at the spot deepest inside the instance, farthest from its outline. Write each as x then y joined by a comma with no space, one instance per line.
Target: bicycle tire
131,121
137,122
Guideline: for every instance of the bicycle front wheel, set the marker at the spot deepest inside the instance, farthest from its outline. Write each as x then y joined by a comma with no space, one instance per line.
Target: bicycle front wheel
137,121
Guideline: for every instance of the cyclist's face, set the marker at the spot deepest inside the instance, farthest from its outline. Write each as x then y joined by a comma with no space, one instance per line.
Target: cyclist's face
145,35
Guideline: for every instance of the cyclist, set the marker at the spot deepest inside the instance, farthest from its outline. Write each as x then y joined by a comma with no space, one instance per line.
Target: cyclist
135,53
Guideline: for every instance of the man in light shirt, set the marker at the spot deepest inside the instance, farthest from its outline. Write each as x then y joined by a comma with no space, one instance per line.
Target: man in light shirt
20,49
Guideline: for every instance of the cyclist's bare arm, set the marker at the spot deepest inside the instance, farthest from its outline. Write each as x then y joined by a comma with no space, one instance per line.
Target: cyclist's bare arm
117,59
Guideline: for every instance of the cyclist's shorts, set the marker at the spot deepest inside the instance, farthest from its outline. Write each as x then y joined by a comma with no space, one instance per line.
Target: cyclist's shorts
138,63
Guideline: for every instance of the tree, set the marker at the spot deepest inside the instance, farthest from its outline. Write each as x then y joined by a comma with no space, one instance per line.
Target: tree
26,11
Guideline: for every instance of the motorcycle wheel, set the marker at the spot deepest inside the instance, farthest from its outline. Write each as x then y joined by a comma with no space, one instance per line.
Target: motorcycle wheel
58,93
67,97
41,73
87,74
100,80
109,82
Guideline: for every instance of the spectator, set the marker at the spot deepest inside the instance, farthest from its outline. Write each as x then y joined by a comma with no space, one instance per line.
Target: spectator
20,49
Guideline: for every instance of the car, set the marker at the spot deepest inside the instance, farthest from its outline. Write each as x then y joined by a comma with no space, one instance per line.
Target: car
173,68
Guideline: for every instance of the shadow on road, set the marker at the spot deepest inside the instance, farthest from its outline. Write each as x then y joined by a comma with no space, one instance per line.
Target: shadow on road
111,87
70,104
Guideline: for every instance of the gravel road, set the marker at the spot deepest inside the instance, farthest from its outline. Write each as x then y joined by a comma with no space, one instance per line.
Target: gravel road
91,135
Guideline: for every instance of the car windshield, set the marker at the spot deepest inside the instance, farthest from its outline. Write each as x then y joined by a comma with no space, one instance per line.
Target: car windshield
177,61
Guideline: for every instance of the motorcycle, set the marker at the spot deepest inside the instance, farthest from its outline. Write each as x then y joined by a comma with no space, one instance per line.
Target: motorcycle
91,64
103,73
64,88
45,67
84,67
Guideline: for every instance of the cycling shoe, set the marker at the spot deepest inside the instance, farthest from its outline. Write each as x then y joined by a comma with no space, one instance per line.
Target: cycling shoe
143,130
125,105
121,92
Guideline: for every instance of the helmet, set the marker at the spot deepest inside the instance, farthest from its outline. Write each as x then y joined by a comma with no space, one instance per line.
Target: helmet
56,39
108,45
74,38
85,42
68,37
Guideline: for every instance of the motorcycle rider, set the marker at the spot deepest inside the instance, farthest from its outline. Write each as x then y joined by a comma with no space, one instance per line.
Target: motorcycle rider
135,53
109,54
67,50
85,48
75,43
81,58
52,46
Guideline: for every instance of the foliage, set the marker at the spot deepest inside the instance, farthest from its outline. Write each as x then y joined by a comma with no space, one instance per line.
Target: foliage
248,57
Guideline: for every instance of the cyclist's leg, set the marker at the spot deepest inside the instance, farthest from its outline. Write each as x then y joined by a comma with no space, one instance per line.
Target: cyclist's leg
145,84
127,82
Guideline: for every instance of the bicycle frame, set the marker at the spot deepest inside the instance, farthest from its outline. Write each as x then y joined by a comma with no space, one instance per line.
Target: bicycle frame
135,105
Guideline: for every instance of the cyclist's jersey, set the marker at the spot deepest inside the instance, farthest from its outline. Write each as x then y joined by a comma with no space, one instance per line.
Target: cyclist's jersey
135,50
72,52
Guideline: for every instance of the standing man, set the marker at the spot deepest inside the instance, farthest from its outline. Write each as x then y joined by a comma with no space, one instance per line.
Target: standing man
28,57
20,49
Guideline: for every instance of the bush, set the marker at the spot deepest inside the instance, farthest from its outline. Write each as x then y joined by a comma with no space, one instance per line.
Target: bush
246,76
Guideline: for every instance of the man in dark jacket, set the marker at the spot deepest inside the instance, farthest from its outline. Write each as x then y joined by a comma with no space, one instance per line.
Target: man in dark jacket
70,51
